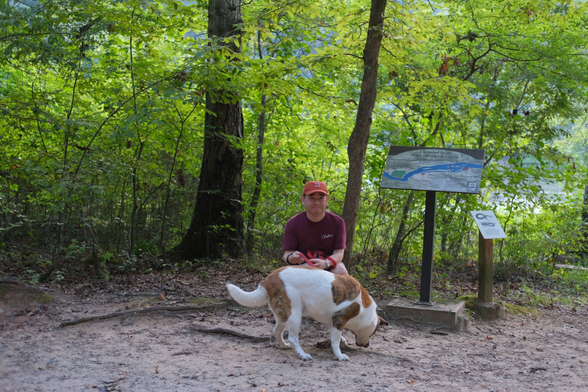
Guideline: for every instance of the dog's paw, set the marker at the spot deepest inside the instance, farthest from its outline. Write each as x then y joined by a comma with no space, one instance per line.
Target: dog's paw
285,346
306,357
343,357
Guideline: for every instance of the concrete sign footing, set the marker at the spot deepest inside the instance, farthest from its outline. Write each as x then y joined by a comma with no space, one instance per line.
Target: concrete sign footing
489,310
449,314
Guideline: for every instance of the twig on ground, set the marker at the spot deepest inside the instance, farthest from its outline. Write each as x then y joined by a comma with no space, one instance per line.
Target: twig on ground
145,310
182,353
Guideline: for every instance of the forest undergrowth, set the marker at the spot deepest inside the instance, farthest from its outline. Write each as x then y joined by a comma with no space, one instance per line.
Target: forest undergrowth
528,288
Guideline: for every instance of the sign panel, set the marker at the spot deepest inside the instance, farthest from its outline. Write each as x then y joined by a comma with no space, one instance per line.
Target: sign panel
433,169
488,224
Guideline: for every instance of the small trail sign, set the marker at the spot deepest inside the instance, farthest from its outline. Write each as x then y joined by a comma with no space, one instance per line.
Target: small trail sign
488,224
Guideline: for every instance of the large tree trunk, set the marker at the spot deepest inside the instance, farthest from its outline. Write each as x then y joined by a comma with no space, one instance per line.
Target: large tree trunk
217,223
358,141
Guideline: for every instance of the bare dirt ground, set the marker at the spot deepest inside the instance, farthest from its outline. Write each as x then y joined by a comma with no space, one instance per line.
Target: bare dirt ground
164,351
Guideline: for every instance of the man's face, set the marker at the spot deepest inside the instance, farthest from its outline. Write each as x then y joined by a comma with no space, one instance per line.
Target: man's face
316,203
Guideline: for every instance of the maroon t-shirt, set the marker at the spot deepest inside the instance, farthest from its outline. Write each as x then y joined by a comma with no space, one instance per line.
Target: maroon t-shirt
302,234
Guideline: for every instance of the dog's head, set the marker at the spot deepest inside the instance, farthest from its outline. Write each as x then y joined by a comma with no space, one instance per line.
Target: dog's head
362,336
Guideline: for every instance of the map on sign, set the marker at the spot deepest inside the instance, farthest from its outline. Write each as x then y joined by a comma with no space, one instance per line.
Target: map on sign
433,169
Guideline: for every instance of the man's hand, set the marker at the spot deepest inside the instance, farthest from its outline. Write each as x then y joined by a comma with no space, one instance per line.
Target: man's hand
319,263
292,257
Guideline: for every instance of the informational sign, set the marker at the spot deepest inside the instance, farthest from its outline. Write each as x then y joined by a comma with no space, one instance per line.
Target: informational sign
433,169
488,224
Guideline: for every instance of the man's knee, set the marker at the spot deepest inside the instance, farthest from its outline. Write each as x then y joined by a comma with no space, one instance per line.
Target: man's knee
340,269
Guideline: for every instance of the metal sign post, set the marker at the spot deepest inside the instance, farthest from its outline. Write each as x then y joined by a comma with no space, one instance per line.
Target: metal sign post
428,245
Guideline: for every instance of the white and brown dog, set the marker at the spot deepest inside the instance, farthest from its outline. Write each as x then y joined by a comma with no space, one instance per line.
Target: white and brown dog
335,300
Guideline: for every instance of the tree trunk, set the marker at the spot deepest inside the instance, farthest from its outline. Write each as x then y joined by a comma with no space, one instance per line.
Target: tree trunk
135,191
216,229
392,267
585,222
258,166
258,177
448,219
456,245
358,141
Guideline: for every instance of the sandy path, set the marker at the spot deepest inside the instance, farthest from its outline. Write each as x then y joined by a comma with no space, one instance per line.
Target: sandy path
163,352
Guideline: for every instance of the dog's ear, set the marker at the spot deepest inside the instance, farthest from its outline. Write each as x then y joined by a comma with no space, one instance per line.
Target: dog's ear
382,321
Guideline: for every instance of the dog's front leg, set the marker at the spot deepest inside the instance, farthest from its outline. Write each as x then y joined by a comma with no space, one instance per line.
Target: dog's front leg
340,318
293,331
299,350
336,336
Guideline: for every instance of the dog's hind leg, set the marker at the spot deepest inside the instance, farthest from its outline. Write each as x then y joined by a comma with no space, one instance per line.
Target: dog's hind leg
279,334
281,322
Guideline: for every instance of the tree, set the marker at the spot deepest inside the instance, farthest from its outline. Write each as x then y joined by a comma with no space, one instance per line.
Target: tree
217,224
359,137
103,115
575,147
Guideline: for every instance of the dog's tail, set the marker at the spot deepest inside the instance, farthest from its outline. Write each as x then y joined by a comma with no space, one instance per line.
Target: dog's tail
253,298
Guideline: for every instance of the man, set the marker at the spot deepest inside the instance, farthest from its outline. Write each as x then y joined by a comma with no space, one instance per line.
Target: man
315,236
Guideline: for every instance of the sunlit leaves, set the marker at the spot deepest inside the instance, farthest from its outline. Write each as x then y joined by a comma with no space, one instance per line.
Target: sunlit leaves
108,86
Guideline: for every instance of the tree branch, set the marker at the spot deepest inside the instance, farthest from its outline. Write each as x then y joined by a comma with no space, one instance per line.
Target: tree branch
254,339
144,310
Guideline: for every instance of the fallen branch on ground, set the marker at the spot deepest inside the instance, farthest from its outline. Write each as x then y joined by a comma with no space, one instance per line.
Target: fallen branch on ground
254,339
9,281
127,313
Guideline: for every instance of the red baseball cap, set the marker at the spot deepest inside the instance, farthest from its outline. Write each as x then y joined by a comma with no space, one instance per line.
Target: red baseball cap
315,187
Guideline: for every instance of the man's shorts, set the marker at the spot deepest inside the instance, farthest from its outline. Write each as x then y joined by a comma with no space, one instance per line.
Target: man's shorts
304,264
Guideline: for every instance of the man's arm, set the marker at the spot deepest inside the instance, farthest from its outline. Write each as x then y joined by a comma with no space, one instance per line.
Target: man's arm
338,255
322,263
292,257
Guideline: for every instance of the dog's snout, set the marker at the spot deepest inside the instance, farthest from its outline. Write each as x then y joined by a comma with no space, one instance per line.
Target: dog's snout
363,345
